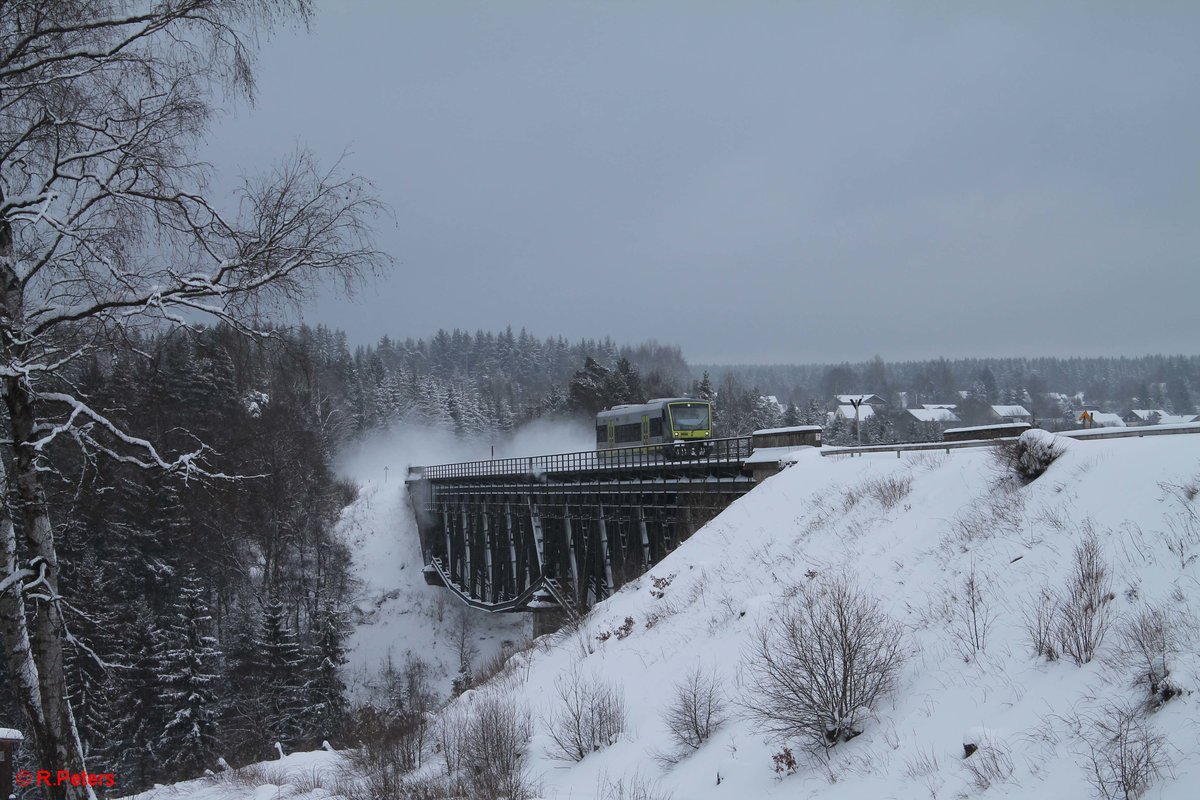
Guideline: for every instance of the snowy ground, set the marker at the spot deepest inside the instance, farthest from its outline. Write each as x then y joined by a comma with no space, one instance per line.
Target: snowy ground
828,517
397,613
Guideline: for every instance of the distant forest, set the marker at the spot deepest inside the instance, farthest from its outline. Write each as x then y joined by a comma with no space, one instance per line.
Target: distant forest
207,616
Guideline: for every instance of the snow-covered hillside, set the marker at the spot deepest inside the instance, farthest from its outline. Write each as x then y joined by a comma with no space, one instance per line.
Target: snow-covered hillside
839,517
909,531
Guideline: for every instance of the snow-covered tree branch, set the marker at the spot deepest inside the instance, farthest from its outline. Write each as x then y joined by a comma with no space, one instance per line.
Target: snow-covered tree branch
106,229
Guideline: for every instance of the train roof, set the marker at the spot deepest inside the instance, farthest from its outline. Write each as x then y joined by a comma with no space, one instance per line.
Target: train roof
656,403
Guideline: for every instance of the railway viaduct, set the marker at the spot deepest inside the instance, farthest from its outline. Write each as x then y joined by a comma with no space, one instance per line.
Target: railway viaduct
558,533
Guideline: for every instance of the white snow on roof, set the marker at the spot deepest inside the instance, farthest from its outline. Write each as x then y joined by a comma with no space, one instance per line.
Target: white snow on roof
1013,425
849,398
792,429
934,414
864,411
777,455
951,406
12,734
1010,411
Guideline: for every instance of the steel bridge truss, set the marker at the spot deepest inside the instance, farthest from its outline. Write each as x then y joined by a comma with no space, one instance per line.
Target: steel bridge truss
563,532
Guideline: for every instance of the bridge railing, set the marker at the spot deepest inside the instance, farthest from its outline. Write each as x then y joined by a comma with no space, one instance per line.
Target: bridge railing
689,453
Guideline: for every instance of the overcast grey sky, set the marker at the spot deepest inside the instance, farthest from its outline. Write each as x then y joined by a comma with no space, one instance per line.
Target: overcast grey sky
761,181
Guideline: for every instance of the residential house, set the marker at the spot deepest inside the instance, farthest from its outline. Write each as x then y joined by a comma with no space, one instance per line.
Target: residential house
1011,413
1155,416
938,414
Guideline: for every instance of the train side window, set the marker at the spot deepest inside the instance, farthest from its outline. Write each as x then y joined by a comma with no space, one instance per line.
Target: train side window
629,433
601,434
656,426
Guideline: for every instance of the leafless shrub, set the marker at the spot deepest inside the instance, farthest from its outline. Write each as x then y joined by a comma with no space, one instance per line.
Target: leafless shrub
922,765
1149,640
1124,755
1183,537
697,708
589,717
1040,613
393,731
818,670
389,785
971,618
484,741
630,787
992,513
494,750
1085,611
927,461
888,491
989,764
1029,456
851,496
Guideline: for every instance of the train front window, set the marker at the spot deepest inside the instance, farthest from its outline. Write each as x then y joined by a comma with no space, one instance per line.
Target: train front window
690,416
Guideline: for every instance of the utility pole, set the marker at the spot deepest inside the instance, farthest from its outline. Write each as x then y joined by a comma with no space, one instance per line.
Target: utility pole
857,403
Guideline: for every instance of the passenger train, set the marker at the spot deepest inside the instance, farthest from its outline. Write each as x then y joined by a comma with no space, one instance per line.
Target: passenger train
680,426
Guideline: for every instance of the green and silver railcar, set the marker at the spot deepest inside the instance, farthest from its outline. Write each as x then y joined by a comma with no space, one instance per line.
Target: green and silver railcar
679,427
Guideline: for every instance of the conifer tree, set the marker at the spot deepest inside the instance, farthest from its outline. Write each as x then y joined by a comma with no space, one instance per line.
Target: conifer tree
190,659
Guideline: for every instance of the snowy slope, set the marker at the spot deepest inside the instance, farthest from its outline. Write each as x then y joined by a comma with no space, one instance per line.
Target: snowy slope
814,520
829,516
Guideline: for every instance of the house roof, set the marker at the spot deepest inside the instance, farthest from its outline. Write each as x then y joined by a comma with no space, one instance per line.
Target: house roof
864,412
1010,411
865,399
951,406
934,415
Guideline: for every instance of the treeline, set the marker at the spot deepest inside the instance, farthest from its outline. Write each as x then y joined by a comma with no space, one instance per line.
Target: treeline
205,615
475,383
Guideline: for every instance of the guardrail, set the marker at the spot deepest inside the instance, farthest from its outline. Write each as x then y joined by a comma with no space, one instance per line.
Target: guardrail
899,448
1129,433
1083,435
715,451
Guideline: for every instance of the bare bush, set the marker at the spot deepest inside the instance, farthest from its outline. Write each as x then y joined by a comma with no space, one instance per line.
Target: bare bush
888,491
1040,614
923,764
971,618
393,730
992,513
589,717
817,671
1029,456
1148,639
629,787
495,748
989,764
1124,754
1085,610
697,708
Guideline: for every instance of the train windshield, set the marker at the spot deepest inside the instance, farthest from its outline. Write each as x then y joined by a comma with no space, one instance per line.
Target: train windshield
690,416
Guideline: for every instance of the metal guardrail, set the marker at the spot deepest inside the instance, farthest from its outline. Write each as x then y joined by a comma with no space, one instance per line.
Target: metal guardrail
719,451
1129,433
1081,435
909,447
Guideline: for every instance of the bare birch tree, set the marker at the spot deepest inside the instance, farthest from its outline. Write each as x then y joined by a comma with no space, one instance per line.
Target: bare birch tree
105,229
